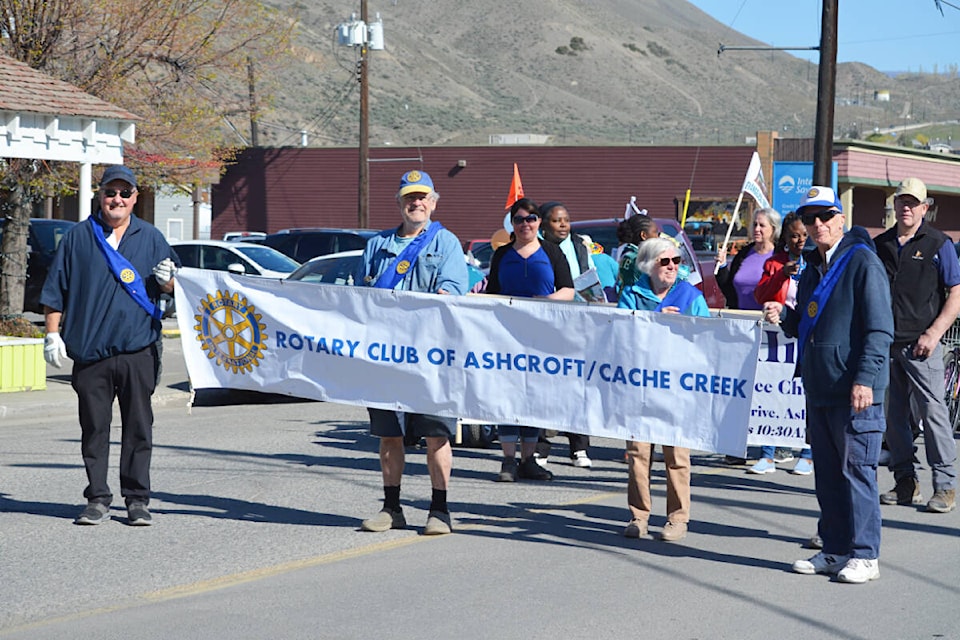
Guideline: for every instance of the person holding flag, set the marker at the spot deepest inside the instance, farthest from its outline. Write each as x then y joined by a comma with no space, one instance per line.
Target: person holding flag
419,255
844,327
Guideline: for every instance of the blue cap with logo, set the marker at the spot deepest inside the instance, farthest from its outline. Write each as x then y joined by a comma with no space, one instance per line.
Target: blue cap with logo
118,172
820,197
415,182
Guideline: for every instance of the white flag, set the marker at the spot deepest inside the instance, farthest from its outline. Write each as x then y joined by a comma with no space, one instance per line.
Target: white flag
753,184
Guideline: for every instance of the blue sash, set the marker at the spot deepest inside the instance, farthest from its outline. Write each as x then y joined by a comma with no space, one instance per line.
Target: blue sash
123,271
681,296
402,263
811,314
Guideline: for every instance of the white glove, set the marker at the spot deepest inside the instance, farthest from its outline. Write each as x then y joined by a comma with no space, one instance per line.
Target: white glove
164,271
54,350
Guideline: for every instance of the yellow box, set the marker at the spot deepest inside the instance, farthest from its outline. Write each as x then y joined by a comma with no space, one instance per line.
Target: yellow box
22,367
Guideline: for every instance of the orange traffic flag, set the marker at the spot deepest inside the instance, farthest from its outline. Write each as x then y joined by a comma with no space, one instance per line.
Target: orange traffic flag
516,189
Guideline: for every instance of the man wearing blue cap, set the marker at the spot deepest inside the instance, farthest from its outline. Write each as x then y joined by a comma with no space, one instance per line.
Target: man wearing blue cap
419,255
104,285
844,327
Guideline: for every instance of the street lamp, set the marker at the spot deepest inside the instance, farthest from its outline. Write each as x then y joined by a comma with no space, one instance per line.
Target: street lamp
365,36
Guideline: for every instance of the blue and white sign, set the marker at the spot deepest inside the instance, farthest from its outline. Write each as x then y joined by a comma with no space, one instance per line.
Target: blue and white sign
791,180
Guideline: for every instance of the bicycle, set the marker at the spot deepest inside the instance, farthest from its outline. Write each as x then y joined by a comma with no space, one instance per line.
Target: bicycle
951,381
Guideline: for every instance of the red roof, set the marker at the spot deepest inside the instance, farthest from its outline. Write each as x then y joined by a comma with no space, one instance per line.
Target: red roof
24,89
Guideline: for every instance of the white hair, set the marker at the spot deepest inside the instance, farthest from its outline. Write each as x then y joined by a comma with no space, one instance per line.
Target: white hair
650,250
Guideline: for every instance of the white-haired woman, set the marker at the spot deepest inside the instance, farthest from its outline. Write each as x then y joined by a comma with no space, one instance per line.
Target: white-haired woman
739,279
659,289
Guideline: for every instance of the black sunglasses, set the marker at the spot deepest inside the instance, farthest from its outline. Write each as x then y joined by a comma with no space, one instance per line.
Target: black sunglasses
112,193
530,219
823,216
675,260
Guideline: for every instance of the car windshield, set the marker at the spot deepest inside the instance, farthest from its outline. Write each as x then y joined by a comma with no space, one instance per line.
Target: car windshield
50,234
337,270
268,258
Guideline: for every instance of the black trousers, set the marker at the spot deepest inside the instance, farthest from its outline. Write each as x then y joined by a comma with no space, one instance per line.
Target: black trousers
130,378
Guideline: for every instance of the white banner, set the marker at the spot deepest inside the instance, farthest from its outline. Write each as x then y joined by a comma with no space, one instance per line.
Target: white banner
598,370
778,415
753,183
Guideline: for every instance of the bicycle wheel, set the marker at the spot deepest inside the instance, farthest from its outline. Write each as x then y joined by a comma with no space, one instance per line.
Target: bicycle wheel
951,375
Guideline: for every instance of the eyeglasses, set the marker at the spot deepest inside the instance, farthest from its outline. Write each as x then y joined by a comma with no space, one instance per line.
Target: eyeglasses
908,202
530,219
112,193
675,260
823,216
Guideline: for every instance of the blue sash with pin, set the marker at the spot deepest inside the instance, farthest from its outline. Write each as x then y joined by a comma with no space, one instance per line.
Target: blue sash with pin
402,263
811,314
125,273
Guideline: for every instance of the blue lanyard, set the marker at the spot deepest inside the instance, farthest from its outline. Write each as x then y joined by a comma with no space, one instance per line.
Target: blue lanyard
402,263
814,308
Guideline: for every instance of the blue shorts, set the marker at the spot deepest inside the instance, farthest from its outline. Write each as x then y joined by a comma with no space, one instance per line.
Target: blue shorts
386,424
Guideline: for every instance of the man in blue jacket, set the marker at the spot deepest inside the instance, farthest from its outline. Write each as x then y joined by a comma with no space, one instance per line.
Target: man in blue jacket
419,255
844,328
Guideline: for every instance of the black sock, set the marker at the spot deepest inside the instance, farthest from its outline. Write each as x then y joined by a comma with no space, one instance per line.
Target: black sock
391,498
439,501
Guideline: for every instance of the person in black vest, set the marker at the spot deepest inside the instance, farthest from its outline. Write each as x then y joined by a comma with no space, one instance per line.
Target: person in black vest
924,275
104,286
556,229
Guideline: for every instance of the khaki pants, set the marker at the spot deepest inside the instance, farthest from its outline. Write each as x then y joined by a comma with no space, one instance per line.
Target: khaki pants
677,460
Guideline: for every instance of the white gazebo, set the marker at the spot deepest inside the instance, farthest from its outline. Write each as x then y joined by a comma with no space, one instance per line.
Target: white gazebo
42,118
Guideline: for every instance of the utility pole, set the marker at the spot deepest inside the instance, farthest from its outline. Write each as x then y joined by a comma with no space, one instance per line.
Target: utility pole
363,198
251,85
826,93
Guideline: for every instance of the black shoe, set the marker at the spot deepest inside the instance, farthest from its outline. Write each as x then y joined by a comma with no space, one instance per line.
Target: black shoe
734,461
94,513
138,515
530,470
508,470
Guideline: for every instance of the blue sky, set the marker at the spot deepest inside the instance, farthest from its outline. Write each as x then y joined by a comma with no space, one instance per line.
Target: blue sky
889,35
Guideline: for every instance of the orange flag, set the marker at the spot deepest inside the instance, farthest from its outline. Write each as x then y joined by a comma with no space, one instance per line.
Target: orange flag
516,189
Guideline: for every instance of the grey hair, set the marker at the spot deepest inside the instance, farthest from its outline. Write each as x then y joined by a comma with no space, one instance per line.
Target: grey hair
773,216
649,250
432,195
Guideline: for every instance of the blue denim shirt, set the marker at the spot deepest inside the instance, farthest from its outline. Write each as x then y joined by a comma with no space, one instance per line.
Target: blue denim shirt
440,265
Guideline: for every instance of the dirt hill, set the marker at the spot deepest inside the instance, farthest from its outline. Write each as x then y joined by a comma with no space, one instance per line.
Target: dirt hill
603,71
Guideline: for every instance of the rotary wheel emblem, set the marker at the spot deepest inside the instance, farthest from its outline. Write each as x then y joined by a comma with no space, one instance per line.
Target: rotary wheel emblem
229,330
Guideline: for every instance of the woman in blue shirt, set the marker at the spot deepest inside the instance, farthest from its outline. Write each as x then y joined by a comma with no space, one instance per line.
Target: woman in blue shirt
527,268
659,289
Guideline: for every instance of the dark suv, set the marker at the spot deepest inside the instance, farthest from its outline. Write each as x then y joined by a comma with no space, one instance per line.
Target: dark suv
303,244
43,240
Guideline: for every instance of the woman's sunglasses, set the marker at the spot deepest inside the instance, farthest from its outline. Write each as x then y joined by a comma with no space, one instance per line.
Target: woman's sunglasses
675,260
112,193
823,216
530,219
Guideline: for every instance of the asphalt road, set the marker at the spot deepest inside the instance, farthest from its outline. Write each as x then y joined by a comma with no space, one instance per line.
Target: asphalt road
257,507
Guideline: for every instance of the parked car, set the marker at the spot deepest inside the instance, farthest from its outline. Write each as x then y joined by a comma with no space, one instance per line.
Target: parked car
304,244
482,251
335,268
604,231
43,238
241,258
244,236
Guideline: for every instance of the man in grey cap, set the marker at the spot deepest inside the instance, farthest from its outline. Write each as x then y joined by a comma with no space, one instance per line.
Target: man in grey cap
103,286
924,275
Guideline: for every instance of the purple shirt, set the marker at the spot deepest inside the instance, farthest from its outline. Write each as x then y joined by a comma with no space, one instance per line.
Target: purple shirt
747,277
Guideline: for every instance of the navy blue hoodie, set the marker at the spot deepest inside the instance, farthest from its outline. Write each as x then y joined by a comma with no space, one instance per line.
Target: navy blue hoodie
851,342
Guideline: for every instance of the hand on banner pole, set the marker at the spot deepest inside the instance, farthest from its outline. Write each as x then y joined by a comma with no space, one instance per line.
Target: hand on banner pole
164,271
54,350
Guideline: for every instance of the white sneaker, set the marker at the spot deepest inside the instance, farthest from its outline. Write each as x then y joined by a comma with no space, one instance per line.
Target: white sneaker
860,570
581,460
821,563
540,460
